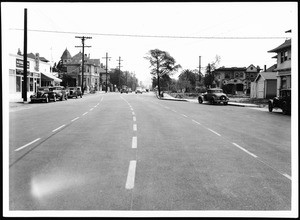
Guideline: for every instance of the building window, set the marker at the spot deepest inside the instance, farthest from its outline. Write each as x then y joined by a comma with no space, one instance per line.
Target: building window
31,84
283,56
18,84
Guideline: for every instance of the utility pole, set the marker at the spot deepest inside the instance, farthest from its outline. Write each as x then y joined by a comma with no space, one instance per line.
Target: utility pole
24,91
199,69
82,72
106,70
119,72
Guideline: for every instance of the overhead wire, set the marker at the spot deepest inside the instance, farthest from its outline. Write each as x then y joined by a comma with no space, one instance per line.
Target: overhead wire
154,36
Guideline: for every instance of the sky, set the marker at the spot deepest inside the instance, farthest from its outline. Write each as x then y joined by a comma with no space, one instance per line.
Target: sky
194,29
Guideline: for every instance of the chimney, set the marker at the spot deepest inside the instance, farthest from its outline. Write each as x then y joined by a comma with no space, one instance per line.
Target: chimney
265,68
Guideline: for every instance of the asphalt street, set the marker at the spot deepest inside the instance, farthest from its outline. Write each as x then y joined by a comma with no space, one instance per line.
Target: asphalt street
135,152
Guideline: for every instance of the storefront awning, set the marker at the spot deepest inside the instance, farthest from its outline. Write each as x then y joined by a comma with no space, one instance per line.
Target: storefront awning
49,77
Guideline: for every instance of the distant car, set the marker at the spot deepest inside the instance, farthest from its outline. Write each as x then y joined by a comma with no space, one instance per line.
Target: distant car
283,101
129,90
59,93
124,90
214,96
138,90
75,92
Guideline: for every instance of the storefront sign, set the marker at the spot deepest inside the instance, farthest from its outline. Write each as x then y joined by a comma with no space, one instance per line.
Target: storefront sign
19,63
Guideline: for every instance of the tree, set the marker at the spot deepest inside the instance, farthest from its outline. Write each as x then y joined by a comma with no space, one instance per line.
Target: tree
209,77
188,78
161,63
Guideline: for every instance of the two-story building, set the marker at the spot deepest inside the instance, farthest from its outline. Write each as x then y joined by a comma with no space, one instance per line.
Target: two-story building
38,74
236,80
73,68
283,69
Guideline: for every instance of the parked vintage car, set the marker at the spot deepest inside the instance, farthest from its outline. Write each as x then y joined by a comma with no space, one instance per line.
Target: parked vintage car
75,92
124,90
138,90
42,95
214,96
59,93
283,101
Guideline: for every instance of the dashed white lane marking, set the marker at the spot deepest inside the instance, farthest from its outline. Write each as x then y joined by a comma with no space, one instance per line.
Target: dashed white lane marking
167,107
214,131
134,118
133,113
101,99
196,122
91,109
131,175
131,109
184,115
253,155
174,110
58,128
85,113
134,142
135,127
287,176
75,119
20,148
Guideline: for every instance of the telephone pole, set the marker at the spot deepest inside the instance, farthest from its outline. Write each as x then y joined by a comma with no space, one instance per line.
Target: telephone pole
106,70
82,62
24,87
119,72
199,68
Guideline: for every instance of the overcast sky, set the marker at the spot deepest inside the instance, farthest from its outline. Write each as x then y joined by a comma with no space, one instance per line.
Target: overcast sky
180,21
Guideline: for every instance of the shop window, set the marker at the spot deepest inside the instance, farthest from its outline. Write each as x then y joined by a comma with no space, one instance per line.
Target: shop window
18,84
31,84
283,56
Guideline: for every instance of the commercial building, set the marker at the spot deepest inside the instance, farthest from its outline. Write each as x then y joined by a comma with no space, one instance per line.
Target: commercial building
38,74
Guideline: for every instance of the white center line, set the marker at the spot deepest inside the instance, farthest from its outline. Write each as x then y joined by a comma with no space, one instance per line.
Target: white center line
75,119
287,176
134,118
91,109
133,113
131,175
20,148
253,155
214,132
58,128
134,127
174,110
184,115
134,142
196,122
85,113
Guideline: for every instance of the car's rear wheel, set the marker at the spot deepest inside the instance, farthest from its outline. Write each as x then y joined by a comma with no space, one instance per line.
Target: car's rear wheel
284,108
212,101
54,99
47,100
270,106
76,96
200,100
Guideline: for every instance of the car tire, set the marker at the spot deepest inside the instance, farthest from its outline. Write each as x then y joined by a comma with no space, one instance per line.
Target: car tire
76,96
200,100
81,96
54,98
225,103
212,101
270,106
284,108
47,100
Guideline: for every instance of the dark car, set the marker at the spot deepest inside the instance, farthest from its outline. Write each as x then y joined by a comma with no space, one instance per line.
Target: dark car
283,101
124,90
59,93
42,95
214,96
74,92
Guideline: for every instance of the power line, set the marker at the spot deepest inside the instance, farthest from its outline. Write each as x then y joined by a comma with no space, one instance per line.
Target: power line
155,36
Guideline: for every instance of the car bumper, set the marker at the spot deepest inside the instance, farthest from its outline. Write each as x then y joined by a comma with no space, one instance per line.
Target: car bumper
37,99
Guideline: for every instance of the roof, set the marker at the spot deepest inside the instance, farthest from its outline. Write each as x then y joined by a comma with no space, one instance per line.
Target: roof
271,68
286,44
66,55
231,68
49,77
32,56
267,76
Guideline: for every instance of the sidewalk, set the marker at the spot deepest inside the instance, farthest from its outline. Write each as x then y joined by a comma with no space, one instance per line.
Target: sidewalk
171,98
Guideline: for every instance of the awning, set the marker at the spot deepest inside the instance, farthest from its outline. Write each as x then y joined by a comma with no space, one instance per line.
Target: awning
49,77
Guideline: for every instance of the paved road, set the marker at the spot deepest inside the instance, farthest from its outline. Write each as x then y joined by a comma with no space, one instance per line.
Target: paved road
135,152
